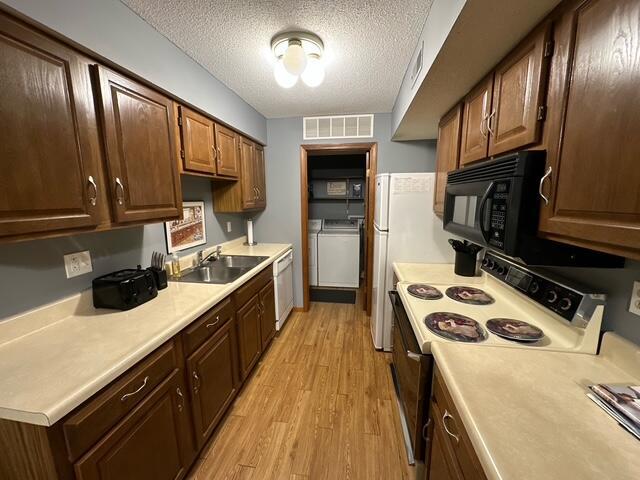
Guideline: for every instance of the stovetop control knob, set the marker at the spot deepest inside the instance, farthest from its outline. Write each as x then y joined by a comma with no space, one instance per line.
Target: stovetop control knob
501,270
534,288
552,296
565,304
490,263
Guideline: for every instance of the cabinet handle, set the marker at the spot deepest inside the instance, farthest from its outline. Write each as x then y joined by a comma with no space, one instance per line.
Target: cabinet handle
94,199
444,422
209,325
181,399
137,390
120,186
490,122
544,177
425,429
219,156
413,356
483,125
215,153
196,382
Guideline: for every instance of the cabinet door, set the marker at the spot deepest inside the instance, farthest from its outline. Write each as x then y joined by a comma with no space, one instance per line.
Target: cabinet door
249,192
268,314
49,144
594,150
248,318
198,148
227,148
259,176
140,147
518,94
153,442
213,379
475,136
441,464
448,151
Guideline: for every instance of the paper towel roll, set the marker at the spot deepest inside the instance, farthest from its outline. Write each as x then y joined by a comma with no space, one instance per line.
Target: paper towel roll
250,232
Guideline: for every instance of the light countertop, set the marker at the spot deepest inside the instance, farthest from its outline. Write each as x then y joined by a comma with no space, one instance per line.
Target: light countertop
434,272
54,358
527,414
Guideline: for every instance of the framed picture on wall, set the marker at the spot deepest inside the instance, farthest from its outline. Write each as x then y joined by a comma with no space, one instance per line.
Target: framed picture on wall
188,231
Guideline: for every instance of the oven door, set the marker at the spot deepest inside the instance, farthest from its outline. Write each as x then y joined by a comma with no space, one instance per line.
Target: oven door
412,376
467,210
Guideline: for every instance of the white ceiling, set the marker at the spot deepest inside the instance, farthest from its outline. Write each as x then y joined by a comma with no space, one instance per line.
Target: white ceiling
368,47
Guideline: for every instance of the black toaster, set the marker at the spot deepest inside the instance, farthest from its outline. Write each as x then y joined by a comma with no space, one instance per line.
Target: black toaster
124,289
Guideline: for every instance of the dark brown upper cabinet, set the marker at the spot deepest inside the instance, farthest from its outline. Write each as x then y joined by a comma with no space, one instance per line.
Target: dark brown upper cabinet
593,149
197,142
519,88
259,176
447,154
140,149
248,178
51,166
249,193
227,145
475,134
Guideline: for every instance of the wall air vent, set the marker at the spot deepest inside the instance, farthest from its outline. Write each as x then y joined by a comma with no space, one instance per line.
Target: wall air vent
337,126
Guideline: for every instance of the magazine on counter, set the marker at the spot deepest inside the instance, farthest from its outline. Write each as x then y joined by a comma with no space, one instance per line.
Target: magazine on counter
622,402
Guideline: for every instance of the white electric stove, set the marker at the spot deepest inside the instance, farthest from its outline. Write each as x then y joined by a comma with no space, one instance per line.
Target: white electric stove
511,307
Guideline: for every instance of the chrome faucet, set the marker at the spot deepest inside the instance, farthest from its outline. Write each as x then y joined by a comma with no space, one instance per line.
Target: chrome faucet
215,255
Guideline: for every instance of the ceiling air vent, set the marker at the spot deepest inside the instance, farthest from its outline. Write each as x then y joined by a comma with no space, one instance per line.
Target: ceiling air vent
338,126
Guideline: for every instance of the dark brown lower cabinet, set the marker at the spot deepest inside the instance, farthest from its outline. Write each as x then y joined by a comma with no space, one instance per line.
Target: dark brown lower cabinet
249,337
267,314
152,442
450,453
213,379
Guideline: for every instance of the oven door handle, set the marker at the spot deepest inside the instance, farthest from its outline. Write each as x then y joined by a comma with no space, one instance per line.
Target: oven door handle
412,355
482,215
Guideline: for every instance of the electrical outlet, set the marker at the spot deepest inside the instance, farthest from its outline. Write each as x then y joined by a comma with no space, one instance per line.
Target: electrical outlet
228,227
77,263
634,306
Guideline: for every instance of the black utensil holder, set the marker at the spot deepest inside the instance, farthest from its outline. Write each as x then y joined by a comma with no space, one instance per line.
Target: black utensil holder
465,264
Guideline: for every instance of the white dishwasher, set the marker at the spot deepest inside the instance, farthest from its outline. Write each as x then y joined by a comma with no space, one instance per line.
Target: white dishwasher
283,283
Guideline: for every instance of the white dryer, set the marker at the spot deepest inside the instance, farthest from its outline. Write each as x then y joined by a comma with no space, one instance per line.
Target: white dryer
339,254
314,227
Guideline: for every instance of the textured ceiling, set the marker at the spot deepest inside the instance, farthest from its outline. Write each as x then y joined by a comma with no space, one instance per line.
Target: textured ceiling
368,47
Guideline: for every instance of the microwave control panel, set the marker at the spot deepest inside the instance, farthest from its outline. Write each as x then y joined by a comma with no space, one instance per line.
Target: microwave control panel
497,213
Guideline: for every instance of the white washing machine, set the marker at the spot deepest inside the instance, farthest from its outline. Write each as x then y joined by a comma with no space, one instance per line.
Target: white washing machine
339,254
314,227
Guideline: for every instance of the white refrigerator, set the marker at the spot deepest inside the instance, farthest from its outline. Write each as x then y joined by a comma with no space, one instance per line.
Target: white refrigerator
405,230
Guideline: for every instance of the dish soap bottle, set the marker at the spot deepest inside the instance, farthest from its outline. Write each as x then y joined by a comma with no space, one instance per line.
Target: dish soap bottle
175,265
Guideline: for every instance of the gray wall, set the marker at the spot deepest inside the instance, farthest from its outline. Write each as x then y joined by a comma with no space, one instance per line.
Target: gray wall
111,29
280,222
617,284
32,273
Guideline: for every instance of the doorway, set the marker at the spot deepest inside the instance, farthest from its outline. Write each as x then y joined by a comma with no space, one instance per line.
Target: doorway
339,181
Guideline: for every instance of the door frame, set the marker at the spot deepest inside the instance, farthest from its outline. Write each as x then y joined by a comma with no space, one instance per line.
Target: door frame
371,170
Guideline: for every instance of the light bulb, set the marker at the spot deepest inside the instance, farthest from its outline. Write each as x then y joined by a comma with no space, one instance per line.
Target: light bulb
313,75
284,78
294,59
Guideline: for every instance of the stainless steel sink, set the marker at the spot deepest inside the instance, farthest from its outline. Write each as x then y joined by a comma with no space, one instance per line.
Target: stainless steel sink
224,270
241,261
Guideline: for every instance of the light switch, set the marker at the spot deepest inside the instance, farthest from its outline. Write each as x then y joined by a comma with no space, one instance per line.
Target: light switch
228,227
77,263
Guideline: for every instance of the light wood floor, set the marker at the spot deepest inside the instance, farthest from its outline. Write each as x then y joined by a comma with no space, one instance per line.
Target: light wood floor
319,406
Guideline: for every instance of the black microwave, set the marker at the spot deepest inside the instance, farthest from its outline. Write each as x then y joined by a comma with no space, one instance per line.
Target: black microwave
496,204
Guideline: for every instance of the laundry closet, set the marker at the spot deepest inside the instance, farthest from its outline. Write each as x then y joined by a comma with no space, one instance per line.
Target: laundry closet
336,210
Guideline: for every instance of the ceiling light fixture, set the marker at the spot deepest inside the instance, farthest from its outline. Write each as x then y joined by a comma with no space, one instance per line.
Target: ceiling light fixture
298,54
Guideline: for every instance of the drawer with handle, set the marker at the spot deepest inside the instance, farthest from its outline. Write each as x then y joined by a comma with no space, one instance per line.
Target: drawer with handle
445,414
92,420
243,294
207,325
